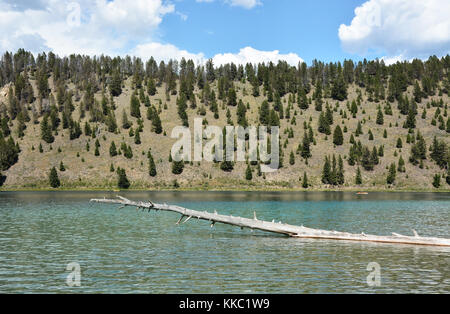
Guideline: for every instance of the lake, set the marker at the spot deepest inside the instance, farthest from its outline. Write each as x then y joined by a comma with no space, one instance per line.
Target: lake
125,251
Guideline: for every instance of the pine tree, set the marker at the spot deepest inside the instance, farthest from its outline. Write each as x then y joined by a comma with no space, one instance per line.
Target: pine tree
264,113
306,151
125,122
392,174
359,129
324,127
62,168
113,149
116,84
232,101
302,100
366,159
338,136
326,173
151,87
292,158
380,117
411,120
53,178
305,183
123,182
177,167
340,176
401,165
358,180
137,138
151,165
339,90
248,173
135,110
241,112
46,131
156,124
437,181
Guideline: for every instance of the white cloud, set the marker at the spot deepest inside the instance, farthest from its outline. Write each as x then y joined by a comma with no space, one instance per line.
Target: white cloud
109,27
251,55
116,27
165,52
246,4
407,28
393,60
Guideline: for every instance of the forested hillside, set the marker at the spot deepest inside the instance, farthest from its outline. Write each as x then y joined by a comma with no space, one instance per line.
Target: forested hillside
101,122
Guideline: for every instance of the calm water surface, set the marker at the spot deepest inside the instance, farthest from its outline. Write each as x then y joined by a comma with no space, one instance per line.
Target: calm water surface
124,251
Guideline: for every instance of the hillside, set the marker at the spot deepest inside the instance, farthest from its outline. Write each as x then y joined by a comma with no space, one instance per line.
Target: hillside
81,91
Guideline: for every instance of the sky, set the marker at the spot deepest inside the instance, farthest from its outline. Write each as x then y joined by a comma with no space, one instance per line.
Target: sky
238,31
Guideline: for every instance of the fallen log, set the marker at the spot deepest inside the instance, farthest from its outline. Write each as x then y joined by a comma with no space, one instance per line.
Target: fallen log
276,227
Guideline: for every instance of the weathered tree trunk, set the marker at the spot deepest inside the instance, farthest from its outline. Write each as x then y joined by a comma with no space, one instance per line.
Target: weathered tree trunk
280,228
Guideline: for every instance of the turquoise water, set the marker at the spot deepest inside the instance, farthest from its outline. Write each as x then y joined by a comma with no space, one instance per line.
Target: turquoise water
125,251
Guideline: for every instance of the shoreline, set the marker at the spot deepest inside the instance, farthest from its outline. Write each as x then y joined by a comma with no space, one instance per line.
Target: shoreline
199,189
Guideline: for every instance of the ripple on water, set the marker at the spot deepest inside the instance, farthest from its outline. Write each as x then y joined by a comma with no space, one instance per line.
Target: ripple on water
124,251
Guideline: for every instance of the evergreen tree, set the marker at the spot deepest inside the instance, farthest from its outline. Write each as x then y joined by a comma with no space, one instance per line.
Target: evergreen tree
137,138
241,112
62,168
324,127
380,117
156,124
411,120
135,110
123,182
113,149
358,180
248,173
116,84
151,87
392,174
53,178
305,183
306,151
340,177
151,165
232,101
338,136
366,160
401,165
292,158
125,122
326,173
418,150
264,113
437,181
302,100
46,131
177,167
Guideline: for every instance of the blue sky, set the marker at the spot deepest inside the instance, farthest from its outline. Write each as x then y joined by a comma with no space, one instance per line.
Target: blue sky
238,31
308,28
